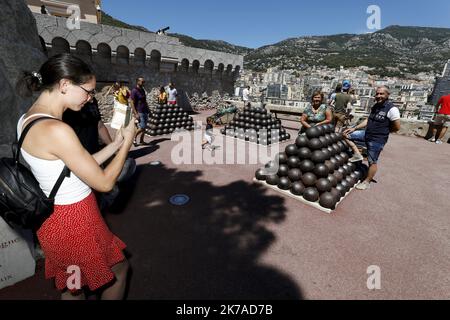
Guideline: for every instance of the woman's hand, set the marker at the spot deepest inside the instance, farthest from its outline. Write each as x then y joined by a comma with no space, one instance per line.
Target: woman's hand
118,139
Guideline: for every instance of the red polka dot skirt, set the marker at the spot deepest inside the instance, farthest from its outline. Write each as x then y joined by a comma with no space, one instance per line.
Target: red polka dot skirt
77,235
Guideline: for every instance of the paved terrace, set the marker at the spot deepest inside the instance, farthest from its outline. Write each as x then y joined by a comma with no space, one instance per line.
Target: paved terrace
237,240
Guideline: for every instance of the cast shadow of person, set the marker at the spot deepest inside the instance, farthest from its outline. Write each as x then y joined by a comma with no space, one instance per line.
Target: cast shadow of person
209,248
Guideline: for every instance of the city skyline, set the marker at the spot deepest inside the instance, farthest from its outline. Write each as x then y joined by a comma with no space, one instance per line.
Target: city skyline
258,24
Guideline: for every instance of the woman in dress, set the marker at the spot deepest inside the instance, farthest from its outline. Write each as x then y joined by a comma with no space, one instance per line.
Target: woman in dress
80,251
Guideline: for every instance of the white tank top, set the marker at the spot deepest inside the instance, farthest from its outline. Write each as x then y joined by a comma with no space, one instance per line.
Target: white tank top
47,172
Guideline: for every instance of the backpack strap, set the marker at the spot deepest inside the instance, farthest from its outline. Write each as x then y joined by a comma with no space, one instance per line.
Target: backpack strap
65,172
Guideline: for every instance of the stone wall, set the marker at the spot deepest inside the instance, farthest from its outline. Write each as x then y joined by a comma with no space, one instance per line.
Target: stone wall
20,50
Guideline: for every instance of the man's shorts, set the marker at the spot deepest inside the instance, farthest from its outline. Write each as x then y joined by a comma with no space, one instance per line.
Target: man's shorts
143,119
339,119
373,148
172,103
441,119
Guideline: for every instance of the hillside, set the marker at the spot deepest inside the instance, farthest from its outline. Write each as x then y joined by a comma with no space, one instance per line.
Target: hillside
393,51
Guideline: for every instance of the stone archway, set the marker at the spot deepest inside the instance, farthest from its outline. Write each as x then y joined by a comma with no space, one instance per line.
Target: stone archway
155,60
208,67
184,65
139,57
122,55
83,50
59,45
103,53
220,68
195,66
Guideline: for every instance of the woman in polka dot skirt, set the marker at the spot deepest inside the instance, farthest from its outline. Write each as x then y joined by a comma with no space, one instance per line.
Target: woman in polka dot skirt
80,251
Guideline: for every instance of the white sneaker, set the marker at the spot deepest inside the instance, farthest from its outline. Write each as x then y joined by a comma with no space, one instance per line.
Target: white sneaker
356,158
439,141
363,185
432,139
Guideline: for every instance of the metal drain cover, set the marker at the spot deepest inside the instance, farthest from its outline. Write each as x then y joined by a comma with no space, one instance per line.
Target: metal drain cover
179,199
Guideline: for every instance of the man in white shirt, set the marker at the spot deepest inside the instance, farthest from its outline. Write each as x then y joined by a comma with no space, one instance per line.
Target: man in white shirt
246,95
173,94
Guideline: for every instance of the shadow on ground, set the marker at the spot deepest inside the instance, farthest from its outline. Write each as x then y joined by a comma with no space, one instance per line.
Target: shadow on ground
207,249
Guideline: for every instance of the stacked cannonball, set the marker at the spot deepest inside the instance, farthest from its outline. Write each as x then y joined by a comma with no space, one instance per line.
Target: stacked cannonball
316,167
166,119
256,125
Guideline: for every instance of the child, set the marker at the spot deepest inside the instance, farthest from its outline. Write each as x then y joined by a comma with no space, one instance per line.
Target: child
208,137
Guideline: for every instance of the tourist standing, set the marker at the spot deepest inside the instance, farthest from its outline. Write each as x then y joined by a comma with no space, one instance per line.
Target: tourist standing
246,96
140,109
172,95
441,119
342,102
162,97
75,234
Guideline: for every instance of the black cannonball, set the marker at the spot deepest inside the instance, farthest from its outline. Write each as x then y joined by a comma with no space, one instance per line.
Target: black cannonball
323,185
283,170
339,136
332,180
153,133
341,189
307,166
327,154
321,130
158,132
336,148
342,146
295,174
293,162
312,132
291,150
345,156
333,137
273,180
321,170
328,140
304,153
318,156
329,165
328,200
331,151
297,188
350,181
281,158
323,141
284,183
311,194
336,194
302,141
339,176
348,169
343,172
339,159
335,163
263,141
309,179
346,185
315,144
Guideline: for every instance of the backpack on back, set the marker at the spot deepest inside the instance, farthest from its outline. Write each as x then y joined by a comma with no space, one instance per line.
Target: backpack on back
22,202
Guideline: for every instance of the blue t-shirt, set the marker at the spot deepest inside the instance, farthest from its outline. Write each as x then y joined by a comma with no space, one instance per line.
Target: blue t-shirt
378,125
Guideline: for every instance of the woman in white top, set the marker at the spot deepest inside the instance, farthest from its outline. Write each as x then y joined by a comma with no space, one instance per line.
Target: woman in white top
75,237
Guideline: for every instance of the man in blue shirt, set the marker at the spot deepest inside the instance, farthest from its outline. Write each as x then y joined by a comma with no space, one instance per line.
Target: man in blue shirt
383,119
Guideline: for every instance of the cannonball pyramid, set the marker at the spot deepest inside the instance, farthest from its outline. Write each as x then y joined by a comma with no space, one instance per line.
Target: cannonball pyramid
166,119
256,125
315,168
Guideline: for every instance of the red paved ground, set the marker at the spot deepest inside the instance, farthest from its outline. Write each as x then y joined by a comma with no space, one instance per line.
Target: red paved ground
236,239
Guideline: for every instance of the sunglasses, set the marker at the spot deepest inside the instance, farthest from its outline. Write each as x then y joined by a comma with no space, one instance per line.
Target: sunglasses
91,93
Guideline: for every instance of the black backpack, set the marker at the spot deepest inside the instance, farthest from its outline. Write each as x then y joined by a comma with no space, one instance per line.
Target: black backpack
22,202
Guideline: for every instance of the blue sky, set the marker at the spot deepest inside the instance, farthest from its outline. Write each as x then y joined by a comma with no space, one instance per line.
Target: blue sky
257,23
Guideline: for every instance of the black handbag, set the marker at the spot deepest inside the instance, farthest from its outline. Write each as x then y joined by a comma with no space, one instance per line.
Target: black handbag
22,202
